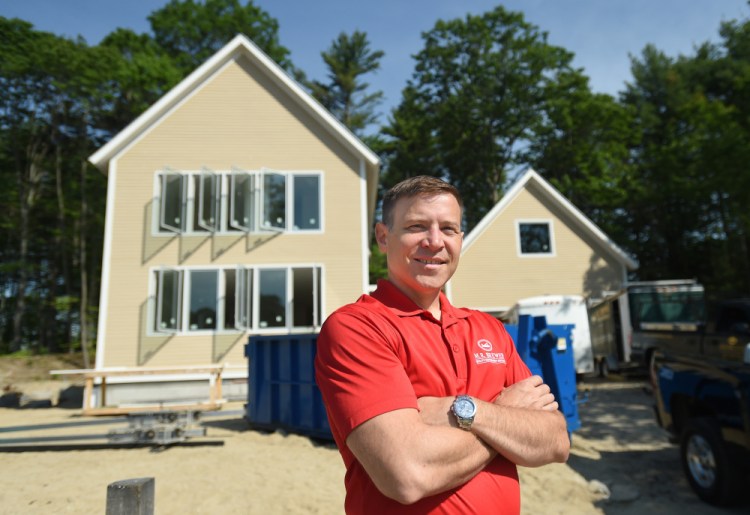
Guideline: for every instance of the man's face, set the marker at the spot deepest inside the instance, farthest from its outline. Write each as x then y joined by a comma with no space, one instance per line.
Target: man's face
423,245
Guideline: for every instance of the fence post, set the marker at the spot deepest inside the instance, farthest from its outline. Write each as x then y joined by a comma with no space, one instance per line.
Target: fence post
131,497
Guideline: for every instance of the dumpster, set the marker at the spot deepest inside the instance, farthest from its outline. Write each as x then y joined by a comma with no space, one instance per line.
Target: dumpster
548,352
282,393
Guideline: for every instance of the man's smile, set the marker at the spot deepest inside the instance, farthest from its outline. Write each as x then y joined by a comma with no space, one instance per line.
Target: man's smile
430,261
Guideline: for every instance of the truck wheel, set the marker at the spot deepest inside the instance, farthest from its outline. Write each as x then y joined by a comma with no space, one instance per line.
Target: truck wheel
707,465
603,368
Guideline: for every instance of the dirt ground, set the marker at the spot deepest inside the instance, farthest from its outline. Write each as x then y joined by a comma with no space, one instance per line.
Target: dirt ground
620,463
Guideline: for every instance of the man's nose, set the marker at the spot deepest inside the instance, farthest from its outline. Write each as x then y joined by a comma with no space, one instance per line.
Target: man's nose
433,238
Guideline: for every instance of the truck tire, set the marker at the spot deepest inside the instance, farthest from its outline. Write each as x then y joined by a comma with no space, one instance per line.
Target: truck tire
707,464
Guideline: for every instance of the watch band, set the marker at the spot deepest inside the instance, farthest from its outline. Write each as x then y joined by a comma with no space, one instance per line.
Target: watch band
464,409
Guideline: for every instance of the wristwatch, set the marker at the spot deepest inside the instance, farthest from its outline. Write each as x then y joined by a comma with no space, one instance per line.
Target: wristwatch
464,408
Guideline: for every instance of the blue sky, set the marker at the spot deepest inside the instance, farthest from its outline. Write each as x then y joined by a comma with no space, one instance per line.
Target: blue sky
601,33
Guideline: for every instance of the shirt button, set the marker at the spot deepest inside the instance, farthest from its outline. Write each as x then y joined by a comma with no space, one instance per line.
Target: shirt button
455,348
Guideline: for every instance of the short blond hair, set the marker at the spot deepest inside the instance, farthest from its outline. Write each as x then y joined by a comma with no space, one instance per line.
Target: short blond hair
421,185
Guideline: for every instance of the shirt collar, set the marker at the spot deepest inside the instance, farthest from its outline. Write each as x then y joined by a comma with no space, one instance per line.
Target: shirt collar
394,299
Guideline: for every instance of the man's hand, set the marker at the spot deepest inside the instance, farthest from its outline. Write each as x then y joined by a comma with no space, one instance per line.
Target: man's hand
530,393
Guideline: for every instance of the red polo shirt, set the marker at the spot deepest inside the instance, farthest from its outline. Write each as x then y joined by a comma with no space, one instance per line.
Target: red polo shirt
382,353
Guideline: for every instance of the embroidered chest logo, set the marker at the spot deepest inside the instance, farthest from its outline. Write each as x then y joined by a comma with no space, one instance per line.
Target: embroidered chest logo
486,355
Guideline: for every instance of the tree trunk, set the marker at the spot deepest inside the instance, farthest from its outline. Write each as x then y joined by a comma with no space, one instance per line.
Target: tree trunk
61,244
23,251
84,301
29,185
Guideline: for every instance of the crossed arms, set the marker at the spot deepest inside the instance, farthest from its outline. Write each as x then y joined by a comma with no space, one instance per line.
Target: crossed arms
412,454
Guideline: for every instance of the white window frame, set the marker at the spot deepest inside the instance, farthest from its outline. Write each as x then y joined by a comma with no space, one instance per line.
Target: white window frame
550,227
232,224
157,292
251,273
291,195
224,224
211,221
187,278
162,179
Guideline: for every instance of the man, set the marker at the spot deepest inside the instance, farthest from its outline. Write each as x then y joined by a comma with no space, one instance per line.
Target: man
430,406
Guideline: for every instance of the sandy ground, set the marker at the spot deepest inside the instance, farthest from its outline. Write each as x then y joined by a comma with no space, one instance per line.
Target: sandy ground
621,463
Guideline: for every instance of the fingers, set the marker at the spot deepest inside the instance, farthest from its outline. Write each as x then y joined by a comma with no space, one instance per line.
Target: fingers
534,380
531,393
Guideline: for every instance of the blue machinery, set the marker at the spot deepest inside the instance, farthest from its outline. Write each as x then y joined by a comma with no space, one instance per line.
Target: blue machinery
282,393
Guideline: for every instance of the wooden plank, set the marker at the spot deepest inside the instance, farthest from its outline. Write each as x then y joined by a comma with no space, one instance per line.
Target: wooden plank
214,381
124,410
139,371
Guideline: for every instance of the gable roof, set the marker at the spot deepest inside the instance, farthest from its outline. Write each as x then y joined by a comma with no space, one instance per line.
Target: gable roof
239,46
554,197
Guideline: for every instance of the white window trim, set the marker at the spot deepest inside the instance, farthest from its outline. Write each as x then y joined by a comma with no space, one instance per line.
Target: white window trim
185,303
224,184
553,246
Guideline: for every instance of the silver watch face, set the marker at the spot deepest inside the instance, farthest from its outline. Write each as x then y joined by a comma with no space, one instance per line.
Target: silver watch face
464,407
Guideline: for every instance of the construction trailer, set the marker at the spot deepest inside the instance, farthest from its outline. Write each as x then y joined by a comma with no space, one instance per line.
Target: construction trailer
627,326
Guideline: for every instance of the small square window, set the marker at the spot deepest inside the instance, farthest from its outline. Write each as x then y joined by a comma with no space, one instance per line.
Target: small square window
535,238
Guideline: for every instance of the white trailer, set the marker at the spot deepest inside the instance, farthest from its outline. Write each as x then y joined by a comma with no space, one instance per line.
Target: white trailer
562,310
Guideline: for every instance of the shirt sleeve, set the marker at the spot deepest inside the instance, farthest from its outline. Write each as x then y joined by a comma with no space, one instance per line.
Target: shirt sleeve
359,371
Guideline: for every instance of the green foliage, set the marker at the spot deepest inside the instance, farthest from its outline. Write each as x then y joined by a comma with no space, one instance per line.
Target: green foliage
475,101
140,72
691,216
583,149
192,31
345,95
378,264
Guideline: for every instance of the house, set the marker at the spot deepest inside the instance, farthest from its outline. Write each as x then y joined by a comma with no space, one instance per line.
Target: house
535,242
236,205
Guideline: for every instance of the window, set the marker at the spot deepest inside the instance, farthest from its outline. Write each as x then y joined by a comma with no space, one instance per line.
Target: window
237,299
274,201
172,213
666,305
272,298
168,295
207,201
306,202
243,302
305,307
535,238
203,299
242,202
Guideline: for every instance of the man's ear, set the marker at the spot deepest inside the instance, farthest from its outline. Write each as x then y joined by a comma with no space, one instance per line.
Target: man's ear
381,235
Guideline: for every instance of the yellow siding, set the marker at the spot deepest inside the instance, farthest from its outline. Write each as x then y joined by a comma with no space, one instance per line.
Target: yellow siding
491,273
239,118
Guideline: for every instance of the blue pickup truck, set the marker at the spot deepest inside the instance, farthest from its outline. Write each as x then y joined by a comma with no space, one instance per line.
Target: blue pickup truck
702,398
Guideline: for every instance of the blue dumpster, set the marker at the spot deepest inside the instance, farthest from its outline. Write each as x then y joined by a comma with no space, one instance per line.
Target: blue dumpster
548,351
282,393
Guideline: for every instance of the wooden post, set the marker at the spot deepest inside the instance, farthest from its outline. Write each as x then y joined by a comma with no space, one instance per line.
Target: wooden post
103,390
218,386
131,497
87,393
